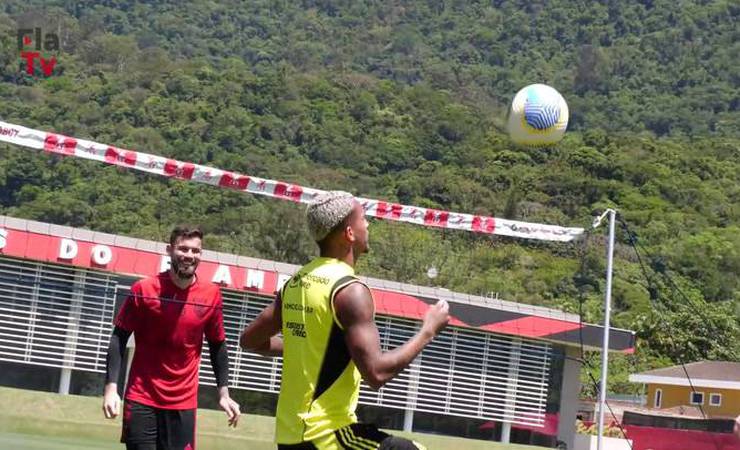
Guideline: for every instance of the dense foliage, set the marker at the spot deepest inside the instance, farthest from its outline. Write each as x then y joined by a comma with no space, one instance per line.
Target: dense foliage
404,101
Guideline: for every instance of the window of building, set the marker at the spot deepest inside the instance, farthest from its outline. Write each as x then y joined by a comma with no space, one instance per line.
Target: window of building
696,398
715,399
658,397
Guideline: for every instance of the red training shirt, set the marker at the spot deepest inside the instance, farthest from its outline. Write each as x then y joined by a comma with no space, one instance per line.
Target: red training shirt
168,325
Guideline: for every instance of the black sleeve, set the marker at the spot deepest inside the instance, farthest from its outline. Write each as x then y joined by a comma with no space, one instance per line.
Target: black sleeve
116,349
220,362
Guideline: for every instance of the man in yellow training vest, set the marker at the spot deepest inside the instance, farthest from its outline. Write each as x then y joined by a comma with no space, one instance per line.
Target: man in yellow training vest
330,341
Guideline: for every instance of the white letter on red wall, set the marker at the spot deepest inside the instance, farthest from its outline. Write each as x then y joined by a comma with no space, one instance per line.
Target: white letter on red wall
255,279
282,279
164,264
67,249
101,255
222,275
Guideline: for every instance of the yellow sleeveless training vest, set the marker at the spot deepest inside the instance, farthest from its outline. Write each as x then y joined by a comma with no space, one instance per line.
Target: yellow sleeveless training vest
320,383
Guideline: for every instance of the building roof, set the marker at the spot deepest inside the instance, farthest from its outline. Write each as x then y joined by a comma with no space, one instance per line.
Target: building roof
709,370
37,240
716,374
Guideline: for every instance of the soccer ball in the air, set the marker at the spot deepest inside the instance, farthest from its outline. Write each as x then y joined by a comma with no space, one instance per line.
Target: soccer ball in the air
538,116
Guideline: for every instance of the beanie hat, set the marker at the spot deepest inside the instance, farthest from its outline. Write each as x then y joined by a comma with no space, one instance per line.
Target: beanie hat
327,211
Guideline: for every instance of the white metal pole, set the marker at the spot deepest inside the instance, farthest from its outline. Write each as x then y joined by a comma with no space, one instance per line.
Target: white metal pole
412,394
65,378
512,388
607,314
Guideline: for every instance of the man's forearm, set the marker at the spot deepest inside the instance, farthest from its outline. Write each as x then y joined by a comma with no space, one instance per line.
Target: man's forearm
273,347
219,354
114,357
393,362
261,335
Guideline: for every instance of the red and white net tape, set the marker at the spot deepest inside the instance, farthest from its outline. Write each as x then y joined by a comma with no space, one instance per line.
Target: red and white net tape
80,148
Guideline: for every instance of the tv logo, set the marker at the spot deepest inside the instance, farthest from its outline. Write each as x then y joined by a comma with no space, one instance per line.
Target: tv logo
30,44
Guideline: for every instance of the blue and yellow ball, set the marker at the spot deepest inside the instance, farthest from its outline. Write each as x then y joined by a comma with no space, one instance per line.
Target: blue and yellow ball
538,116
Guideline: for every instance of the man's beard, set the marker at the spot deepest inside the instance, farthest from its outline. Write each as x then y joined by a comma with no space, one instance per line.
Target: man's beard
184,273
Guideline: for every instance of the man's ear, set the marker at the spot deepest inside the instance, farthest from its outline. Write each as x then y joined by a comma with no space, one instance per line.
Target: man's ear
349,233
169,249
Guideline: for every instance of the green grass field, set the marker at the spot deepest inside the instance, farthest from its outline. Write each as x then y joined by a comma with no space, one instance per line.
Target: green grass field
31,420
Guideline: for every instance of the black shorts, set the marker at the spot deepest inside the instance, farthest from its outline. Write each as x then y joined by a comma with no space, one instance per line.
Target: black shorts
360,436
149,428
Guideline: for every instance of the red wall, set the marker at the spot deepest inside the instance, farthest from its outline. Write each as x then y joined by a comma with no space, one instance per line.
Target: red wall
651,438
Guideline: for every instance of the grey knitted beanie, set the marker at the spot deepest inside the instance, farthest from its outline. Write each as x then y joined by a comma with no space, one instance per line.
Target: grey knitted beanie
327,211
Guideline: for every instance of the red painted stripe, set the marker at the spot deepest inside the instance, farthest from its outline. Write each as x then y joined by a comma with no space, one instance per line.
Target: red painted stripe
389,210
436,218
60,144
288,191
233,181
407,306
120,157
484,224
397,304
531,326
177,169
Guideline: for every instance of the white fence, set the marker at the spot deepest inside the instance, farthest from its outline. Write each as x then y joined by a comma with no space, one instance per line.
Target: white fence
60,316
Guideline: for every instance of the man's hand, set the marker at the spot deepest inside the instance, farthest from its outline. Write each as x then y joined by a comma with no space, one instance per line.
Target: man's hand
111,401
437,317
229,406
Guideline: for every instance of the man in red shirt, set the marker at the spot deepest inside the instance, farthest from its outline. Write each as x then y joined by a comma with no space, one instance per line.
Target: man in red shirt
168,314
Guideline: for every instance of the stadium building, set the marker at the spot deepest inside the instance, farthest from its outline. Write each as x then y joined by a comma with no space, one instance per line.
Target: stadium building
502,370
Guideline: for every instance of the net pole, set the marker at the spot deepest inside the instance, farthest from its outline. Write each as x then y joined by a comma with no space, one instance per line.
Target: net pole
607,317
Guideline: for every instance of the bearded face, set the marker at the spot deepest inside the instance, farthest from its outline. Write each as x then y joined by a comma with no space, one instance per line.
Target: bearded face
185,256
